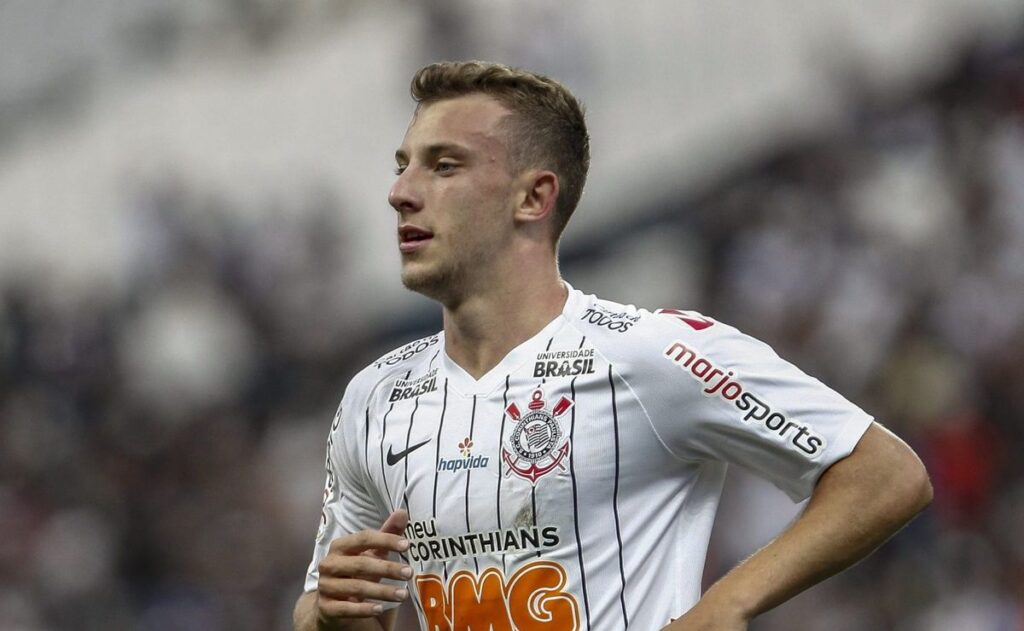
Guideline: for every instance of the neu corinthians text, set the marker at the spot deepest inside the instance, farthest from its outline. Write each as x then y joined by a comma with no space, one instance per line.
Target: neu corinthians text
426,545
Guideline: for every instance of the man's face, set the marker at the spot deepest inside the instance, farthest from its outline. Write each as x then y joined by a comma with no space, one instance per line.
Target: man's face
454,195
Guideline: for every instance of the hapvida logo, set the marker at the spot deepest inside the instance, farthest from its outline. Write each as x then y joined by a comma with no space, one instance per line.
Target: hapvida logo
468,460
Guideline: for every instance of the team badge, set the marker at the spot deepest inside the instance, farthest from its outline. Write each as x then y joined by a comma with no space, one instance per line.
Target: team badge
537,445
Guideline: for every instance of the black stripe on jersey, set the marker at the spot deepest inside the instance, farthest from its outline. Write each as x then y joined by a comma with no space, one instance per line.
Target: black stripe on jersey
533,487
384,471
533,501
437,457
366,445
411,585
408,437
575,500
437,452
615,499
472,422
383,439
501,438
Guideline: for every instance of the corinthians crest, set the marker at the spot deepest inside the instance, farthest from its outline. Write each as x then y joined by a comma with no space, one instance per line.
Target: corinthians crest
537,446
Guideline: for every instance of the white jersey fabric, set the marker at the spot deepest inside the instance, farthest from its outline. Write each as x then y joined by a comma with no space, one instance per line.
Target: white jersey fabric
574,486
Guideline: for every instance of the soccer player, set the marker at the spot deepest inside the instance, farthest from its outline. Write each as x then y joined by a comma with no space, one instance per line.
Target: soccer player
552,460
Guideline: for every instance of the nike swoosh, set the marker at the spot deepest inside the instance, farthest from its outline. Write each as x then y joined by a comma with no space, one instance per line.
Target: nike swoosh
394,458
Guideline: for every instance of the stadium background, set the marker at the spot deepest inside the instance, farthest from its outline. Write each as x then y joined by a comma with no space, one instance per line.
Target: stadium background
196,253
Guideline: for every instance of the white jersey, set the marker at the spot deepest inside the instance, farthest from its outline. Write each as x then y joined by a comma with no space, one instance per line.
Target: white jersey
573,486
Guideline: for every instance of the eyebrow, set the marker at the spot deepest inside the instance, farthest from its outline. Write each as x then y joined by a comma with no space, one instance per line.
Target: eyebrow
434,150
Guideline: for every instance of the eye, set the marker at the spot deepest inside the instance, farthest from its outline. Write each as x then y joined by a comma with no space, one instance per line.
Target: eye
445,167
400,169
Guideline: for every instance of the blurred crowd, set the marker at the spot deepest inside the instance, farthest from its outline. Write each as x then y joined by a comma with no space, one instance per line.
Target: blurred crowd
161,445
888,260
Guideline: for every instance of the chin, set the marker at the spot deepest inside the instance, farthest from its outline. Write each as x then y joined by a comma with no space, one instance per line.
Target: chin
432,282
423,281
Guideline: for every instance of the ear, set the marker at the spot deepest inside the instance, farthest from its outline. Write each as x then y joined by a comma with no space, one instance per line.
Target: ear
540,193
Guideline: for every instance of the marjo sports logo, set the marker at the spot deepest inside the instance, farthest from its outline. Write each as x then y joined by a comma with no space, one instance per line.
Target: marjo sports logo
724,384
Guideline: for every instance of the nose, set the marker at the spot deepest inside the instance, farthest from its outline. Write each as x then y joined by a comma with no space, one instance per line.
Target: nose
403,196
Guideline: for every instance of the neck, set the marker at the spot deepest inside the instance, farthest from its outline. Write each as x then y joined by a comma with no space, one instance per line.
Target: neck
482,329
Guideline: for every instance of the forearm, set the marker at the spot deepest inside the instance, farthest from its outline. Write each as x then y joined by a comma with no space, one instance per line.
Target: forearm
858,503
305,618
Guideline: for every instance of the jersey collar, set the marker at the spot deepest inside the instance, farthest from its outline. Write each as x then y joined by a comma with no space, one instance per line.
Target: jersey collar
527,351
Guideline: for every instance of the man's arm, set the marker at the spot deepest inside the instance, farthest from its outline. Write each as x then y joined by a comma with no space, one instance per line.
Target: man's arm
349,581
305,618
858,503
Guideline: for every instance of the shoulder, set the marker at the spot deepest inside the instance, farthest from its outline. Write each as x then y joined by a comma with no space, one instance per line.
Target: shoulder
656,339
396,365
625,328
408,355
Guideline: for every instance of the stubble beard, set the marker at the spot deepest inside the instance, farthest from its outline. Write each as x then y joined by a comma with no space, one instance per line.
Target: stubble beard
435,283
447,280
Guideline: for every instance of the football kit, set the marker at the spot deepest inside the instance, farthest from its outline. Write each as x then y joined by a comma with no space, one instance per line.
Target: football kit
574,485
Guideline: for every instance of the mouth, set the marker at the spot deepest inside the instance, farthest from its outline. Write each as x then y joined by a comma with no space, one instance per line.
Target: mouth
412,238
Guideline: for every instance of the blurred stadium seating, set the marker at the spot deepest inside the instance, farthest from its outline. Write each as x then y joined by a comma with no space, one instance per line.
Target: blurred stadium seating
194,257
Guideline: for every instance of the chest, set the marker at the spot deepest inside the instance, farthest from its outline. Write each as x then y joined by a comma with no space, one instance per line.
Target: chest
551,437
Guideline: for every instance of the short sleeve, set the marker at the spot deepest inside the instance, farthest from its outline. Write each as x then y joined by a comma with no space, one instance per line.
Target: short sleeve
348,505
724,396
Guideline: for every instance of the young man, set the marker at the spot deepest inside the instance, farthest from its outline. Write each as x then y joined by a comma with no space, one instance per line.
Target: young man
552,460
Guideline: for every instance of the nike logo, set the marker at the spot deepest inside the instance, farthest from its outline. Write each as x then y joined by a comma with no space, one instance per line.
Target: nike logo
394,458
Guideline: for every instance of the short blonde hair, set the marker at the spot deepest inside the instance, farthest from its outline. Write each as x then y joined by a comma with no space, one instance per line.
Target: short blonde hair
546,129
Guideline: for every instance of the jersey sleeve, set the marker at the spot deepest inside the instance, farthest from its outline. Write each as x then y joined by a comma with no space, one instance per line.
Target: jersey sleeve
717,394
348,504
